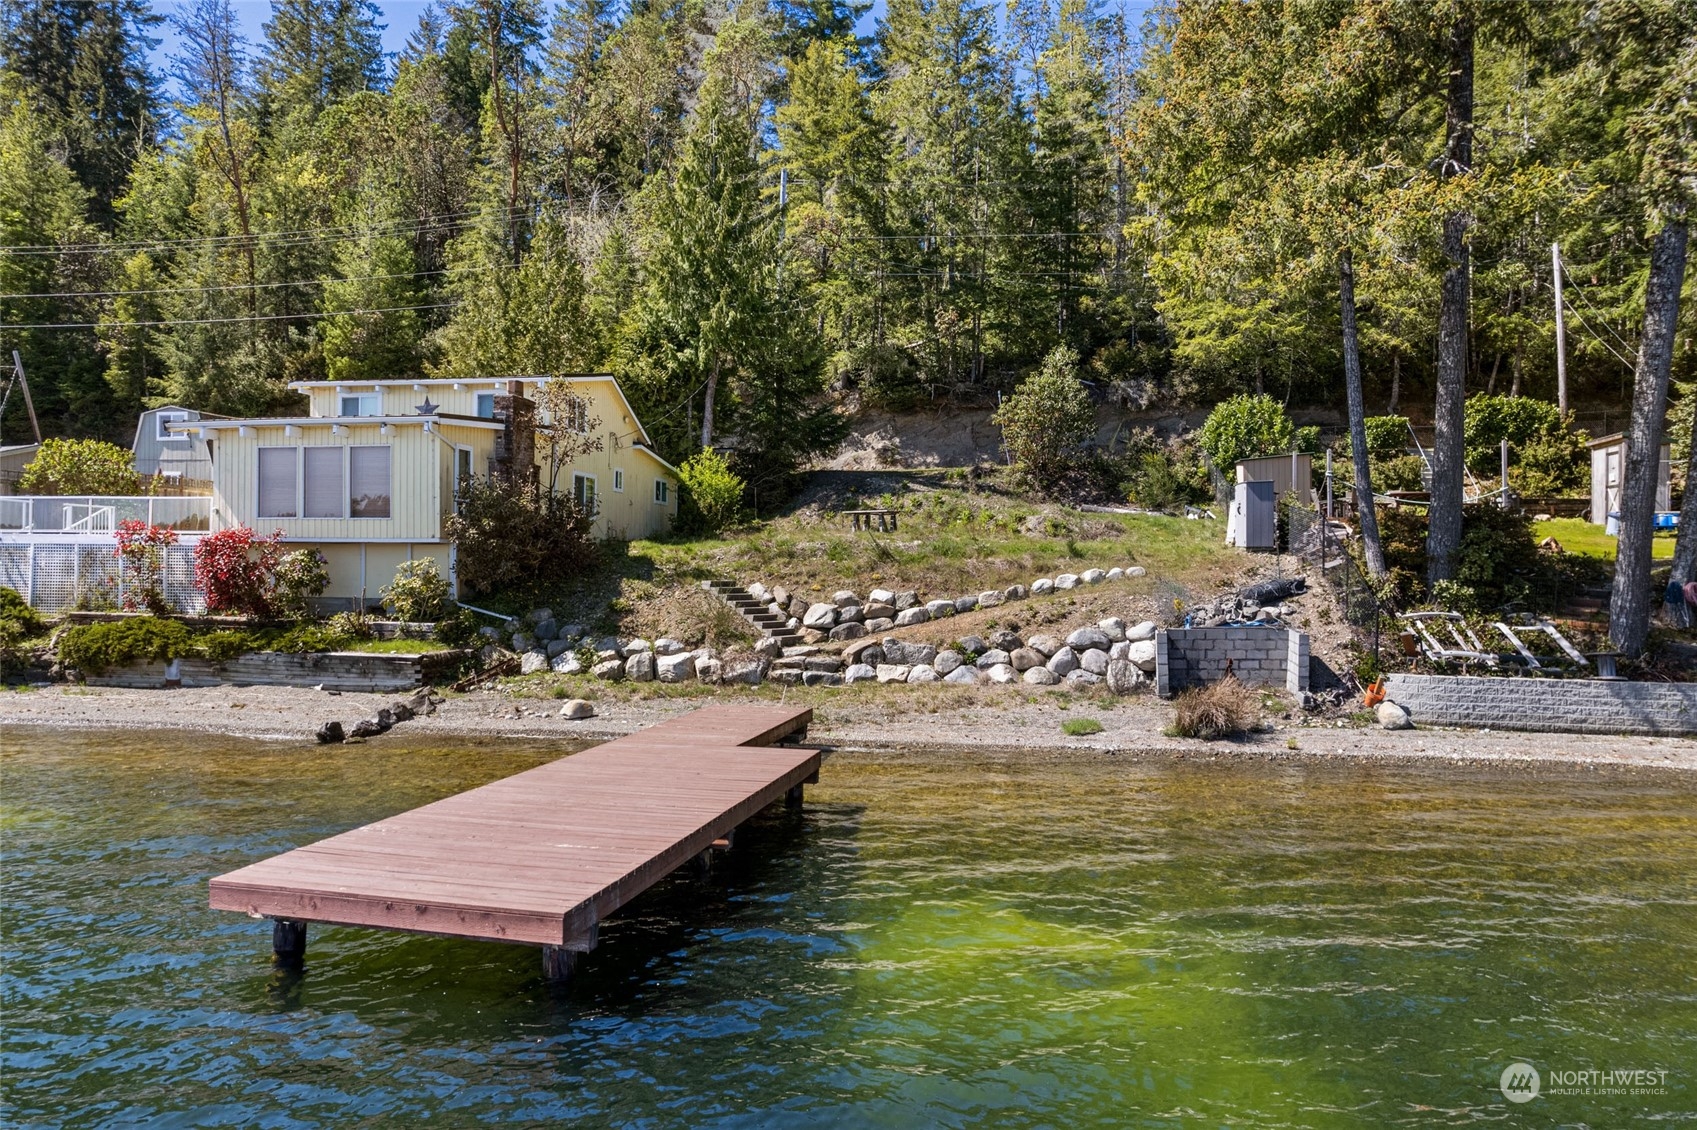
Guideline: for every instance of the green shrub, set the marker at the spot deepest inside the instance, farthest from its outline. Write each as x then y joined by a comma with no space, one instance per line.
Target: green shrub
459,629
1081,727
356,624
14,608
80,466
298,578
1497,562
419,592
509,538
1543,446
1250,427
1048,417
712,493
92,648
19,623
1401,473
1387,436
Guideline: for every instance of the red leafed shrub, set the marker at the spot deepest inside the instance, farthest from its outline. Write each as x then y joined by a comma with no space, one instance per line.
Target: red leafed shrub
141,565
236,570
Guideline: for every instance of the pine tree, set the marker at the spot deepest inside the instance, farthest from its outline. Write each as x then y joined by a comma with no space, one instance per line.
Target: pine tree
317,53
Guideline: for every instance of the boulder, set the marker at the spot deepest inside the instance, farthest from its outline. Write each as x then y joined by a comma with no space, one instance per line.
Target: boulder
843,597
821,679
775,609
893,672
879,610
924,673
577,710
608,648
1123,676
1002,673
666,645
676,668
709,670
850,614
781,595
1094,661
610,669
798,606
637,646
820,616
1042,587
863,651
788,676
523,641
769,648
1066,581
1006,640
547,630
330,733
639,667
1394,716
759,591
1113,627
1135,571
906,600
1063,662
557,648
1041,677
1093,576
1044,645
492,634
537,615
990,598
1142,631
965,603
852,630
746,671
532,662
911,616
1142,653
1082,678
1017,592
962,676
365,728
881,624
860,673
896,651
821,663
973,645
1025,658
568,663
881,596
402,712
571,631
1088,637
947,661
813,635
1119,650
995,657
1116,573
937,609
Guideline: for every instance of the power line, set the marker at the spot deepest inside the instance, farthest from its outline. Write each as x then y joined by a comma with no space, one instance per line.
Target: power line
325,281
215,321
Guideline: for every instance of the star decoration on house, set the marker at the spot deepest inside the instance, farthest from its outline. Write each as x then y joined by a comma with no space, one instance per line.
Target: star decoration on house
427,408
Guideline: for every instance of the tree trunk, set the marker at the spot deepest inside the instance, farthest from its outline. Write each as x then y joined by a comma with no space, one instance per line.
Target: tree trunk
1443,536
1629,605
1396,382
1685,547
1514,366
1358,417
707,406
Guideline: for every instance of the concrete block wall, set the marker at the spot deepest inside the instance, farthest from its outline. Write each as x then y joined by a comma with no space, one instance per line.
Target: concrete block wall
1262,657
1574,706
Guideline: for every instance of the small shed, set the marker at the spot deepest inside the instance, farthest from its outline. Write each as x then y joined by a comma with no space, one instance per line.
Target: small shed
1252,521
179,458
13,459
1608,473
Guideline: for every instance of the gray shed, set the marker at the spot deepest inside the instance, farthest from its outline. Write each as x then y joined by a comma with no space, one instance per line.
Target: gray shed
1608,471
179,459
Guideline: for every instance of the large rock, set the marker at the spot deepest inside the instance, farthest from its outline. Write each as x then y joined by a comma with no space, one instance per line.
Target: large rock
850,613
965,603
537,615
1041,677
947,661
1142,631
973,645
995,657
781,595
331,732
1135,571
939,608
547,630
1025,658
1094,661
798,606
557,648
676,668
608,648
1119,650
1123,676
571,631
1045,645
1066,581
820,616
906,600
532,662
897,651
911,616
1042,587
1082,678
1002,673
577,710
852,630
639,667
769,647
1063,662
746,671
990,598
880,624
1142,653
860,673
665,645
881,596
842,598
1088,637
864,651
759,591
365,728
1113,627
567,663
879,610
822,663
1016,592
610,669
962,676
893,672
637,645
813,635
1006,640
1394,716
821,679
709,670
1093,576
523,641
788,676
1116,574
924,673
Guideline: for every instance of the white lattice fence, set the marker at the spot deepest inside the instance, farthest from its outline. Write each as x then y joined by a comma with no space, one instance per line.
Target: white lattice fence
58,577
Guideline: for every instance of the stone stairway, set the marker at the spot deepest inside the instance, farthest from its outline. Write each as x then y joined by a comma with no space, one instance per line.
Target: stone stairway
770,624
1586,610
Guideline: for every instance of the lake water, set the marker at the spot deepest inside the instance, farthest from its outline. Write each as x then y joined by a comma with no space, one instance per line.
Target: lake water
945,941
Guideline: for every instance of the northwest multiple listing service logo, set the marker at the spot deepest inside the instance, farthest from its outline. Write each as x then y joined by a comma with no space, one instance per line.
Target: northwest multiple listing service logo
1521,1082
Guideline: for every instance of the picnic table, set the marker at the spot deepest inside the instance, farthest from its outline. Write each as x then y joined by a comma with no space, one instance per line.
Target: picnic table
886,519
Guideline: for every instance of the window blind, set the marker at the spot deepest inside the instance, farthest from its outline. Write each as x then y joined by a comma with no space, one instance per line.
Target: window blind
368,486
277,482
322,471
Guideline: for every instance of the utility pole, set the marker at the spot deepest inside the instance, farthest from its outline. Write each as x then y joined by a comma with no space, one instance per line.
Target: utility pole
29,401
1561,332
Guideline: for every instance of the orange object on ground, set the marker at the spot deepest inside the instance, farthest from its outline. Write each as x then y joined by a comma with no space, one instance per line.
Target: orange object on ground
1375,693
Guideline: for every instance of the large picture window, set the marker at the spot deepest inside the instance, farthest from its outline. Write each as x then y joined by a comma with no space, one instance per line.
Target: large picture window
368,482
278,497
322,479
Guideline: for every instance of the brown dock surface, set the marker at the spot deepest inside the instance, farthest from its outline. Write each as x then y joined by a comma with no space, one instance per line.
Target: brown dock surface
541,857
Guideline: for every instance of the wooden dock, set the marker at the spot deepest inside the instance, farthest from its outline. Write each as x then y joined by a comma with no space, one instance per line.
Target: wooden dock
542,857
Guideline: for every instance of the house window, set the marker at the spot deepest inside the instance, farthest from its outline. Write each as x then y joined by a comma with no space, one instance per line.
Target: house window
164,420
362,404
277,483
583,490
618,479
322,479
575,416
368,481
486,405
462,475
662,492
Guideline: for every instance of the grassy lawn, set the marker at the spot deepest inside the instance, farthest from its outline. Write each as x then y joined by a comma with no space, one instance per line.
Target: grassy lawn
398,647
1579,536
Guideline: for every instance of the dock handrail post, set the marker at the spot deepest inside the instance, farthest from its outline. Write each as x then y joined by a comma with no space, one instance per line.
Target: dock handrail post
288,943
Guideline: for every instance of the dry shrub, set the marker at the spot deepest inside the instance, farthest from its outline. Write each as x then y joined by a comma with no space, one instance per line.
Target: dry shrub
1223,710
690,615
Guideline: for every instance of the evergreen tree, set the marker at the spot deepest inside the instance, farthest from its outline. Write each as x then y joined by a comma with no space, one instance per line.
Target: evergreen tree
317,53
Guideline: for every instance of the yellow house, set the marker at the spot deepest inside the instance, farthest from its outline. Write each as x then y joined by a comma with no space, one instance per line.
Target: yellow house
368,477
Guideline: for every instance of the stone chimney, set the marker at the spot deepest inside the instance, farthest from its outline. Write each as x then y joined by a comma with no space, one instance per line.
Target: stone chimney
514,461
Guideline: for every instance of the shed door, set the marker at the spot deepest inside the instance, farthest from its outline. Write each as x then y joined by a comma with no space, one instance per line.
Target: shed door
1256,500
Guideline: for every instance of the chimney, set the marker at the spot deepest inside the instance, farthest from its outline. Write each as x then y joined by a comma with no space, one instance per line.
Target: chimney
515,445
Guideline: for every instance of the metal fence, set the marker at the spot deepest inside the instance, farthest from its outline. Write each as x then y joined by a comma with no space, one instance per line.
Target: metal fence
1321,544
60,577
100,514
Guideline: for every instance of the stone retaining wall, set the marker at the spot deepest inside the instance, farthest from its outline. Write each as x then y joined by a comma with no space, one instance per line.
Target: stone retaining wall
335,670
1576,706
1261,657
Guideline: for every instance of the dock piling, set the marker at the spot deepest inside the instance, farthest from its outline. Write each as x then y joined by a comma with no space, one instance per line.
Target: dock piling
288,943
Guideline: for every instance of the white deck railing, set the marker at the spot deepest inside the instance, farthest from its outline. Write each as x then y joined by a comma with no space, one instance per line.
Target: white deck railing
100,514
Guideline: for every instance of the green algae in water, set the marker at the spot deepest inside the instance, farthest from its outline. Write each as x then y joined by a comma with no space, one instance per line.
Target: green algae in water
945,941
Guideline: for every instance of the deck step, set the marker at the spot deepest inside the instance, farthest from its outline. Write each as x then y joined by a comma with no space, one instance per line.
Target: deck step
758,613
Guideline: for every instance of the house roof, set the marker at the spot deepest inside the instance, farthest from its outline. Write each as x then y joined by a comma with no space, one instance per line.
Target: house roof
333,421
1612,440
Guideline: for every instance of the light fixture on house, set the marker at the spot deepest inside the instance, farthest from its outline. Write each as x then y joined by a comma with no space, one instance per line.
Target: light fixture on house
288,429
242,431
383,429
335,429
429,427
